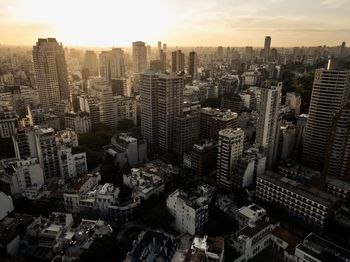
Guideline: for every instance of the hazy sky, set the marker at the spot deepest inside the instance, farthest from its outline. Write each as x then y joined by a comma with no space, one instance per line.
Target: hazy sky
176,22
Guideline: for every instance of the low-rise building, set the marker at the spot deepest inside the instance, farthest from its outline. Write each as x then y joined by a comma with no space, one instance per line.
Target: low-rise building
190,211
125,108
8,122
126,149
306,202
284,242
144,182
249,215
80,122
206,249
17,176
316,248
153,246
253,238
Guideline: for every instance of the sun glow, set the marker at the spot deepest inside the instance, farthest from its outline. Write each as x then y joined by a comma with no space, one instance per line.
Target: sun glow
99,23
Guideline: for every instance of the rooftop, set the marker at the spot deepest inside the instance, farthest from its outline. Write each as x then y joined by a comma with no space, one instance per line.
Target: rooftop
308,192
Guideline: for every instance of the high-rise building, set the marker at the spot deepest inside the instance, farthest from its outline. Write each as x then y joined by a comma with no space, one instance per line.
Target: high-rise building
80,122
112,64
343,49
267,125
162,59
47,153
164,47
8,122
293,100
51,72
337,161
230,148
213,120
103,91
139,56
149,108
159,45
267,46
330,93
193,64
161,101
90,63
220,52
177,61
186,132
170,103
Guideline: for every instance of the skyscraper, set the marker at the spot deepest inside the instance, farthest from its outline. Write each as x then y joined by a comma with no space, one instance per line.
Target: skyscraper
90,63
112,64
51,72
267,46
266,130
338,150
149,108
220,52
159,45
330,93
139,56
161,101
192,64
177,61
170,102
162,58
230,148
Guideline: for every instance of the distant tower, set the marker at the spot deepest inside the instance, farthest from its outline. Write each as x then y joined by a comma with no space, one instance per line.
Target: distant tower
230,148
342,49
192,64
220,52
159,45
177,61
112,64
51,72
330,93
139,55
267,47
267,125
90,66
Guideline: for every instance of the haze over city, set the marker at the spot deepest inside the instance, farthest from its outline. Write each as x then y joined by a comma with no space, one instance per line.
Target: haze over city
180,22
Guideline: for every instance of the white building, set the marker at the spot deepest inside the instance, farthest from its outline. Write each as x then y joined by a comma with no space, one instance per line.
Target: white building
125,108
249,215
126,149
190,212
143,183
19,175
293,100
71,165
80,122
267,124
8,122
206,249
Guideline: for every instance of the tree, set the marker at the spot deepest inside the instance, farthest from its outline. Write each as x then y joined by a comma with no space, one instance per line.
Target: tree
125,124
6,148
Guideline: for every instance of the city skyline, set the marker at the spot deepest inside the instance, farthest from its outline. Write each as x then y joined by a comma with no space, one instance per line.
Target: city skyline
208,23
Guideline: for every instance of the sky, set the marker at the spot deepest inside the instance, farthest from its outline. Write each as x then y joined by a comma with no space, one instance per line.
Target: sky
176,22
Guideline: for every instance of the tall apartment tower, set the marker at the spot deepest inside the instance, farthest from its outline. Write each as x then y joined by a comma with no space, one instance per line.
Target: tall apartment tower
177,61
338,150
149,108
220,52
267,46
330,93
170,103
230,148
51,72
162,59
186,132
47,153
161,101
192,64
90,63
268,121
139,56
159,45
112,64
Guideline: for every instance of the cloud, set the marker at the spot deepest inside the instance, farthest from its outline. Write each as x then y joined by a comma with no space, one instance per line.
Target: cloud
334,3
